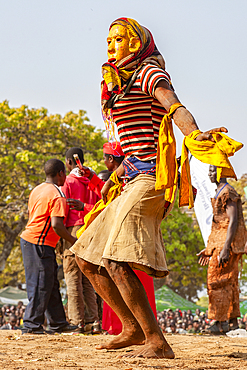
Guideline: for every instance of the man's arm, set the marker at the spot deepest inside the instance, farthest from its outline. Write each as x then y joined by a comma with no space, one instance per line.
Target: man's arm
182,117
60,229
232,213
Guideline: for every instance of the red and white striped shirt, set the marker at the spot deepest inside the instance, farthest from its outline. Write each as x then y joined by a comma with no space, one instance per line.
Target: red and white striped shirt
138,114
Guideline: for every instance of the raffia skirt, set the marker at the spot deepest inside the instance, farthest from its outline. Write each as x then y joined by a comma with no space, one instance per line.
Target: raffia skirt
128,230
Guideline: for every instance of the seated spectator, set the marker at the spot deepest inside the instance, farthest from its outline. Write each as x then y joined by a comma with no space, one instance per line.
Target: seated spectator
189,326
196,326
184,315
182,328
170,314
198,312
241,325
202,315
163,327
12,310
189,315
19,305
11,325
172,328
177,315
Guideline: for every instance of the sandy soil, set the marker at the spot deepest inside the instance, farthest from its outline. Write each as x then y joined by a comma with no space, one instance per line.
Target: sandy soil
39,352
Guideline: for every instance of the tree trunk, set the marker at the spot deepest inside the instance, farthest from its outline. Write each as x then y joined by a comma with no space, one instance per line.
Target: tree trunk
10,235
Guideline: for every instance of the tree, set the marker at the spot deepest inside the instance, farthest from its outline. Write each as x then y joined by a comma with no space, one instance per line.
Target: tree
183,241
28,138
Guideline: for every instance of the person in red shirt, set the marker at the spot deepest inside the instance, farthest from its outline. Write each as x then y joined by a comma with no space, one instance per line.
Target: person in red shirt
79,289
113,156
47,210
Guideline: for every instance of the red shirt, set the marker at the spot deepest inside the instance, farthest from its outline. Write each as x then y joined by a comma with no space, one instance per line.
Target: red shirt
96,184
77,187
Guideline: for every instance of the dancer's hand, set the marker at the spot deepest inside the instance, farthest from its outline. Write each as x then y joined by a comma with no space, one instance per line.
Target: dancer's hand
75,204
204,259
224,256
207,135
106,189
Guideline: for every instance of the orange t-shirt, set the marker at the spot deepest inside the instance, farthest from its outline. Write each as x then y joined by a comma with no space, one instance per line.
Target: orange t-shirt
45,201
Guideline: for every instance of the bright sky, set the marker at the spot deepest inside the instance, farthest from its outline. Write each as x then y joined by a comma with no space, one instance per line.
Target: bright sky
52,52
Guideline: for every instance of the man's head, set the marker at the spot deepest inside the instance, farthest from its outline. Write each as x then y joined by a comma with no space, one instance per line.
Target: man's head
19,304
12,320
12,309
113,155
212,173
55,171
184,325
70,160
173,326
196,324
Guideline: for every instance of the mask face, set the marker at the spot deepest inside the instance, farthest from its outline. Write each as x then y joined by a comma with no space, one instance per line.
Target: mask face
118,42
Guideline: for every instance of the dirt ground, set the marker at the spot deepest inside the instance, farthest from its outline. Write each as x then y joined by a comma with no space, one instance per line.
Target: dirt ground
39,352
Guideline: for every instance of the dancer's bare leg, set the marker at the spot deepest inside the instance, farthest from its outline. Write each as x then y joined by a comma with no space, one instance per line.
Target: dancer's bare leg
132,333
135,297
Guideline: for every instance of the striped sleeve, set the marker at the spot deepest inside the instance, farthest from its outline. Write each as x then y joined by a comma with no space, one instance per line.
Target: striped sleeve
149,76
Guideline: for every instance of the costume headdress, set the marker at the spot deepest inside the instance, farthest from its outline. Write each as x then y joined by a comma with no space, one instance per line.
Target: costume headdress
118,78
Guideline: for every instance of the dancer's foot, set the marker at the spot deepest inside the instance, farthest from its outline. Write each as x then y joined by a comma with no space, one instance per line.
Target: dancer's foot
152,350
125,339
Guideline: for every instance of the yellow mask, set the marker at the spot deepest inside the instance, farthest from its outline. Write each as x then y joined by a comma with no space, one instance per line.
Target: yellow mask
120,44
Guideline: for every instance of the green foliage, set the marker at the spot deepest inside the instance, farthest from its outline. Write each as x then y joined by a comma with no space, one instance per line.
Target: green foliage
183,241
13,272
28,138
203,301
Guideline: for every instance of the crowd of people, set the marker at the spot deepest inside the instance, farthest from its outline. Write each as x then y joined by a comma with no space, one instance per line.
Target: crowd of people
184,322
11,316
170,321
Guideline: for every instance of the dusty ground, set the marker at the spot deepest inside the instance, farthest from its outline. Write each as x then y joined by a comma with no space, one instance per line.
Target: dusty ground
77,352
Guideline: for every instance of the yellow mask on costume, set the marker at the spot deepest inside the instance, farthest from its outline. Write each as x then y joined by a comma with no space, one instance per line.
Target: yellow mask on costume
120,43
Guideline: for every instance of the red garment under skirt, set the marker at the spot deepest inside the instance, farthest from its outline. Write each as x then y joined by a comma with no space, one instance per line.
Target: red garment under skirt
111,322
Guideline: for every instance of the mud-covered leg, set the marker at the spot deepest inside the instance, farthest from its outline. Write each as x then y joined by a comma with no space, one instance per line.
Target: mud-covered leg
132,333
135,297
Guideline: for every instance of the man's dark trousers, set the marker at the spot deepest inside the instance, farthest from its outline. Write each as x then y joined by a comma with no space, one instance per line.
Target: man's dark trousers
42,287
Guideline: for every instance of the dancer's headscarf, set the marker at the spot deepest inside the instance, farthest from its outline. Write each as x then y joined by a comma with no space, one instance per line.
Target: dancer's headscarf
119,78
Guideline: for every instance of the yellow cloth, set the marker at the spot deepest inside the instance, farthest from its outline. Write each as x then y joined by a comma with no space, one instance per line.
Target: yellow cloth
113,193
214,153
166,164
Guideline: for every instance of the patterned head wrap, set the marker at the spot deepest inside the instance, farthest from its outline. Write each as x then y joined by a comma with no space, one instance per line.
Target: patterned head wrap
119,78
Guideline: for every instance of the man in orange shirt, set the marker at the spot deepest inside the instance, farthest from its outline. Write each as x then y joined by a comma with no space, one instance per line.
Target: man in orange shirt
47,209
